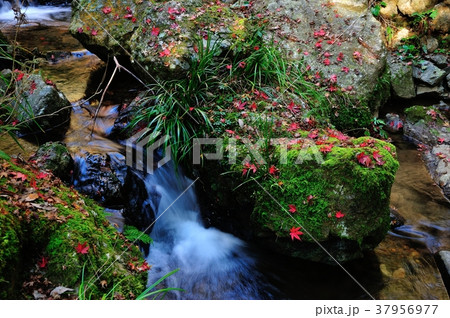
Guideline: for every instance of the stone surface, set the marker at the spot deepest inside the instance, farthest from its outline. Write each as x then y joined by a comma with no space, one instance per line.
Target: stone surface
55,157
168,53
442,21
41,105
399,35
390,9
428,73
429,126
434,91
440,60
409,7
432,44
402,81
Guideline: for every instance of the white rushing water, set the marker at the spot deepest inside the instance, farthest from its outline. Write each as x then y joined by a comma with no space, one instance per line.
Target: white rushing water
33,13
213,264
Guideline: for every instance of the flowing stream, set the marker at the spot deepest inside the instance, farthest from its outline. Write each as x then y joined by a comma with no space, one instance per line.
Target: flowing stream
217,265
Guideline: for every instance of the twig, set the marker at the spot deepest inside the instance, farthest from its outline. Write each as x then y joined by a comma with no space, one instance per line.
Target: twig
118,67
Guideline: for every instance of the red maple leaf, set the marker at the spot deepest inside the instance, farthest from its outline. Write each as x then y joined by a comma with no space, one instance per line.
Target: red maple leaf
293,108
292,208
248,167
19,175
42,175
378,158
309,199
94,32
441,140
313,134
326,61
253,106
165,52
32,87
345,69
326,148
293,127
19,76
173,11
155,31
82,248
364,159
107,10
339,215
273,170
295,233
229,131
240,105
42,263
242,64
333,78
49,82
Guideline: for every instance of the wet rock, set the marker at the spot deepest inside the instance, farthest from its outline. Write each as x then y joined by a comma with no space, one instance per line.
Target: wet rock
408,7
433,91
55,157
396,219
440,60
428,73
402,81
438,164
43,106
393,123
96,178
107,179
429,126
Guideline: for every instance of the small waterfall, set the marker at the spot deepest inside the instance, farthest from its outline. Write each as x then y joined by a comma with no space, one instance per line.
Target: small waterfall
33,12
213,264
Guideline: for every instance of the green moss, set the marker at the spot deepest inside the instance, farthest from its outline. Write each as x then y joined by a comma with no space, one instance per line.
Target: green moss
418,113
339,184
28,233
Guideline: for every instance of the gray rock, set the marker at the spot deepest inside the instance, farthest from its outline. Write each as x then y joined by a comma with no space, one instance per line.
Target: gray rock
42,106
435,91
55,157
448,80
428,73
402,81
440,60
432,44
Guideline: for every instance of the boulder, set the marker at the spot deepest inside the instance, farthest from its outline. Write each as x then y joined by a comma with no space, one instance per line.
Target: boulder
408,7
330,36
442,21
402,81
55,157
161,38
41,105
429,127
390,9
428,73
328,196
440,60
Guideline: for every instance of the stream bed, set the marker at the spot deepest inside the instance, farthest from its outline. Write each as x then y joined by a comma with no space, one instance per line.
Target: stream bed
403,266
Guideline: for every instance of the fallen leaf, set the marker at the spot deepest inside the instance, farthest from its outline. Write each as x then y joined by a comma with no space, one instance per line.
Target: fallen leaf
32,197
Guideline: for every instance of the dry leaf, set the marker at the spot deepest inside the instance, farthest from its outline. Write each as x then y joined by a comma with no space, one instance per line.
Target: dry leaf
31,197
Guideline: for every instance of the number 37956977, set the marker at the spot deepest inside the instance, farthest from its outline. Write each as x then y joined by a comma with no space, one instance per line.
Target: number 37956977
406,309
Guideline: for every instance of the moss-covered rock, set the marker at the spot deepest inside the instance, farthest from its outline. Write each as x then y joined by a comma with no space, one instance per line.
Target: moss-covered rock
55,157
337,187
50,231
159,37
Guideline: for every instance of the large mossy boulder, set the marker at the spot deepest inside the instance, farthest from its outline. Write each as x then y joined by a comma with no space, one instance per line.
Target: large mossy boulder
55,157
52,236
339,38
335,188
